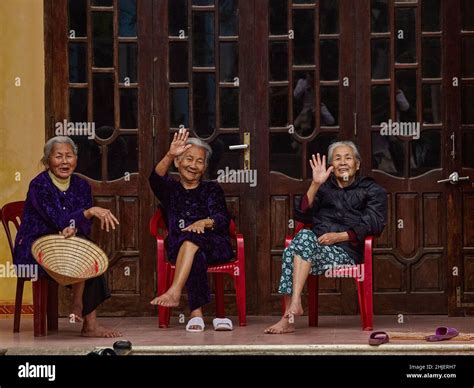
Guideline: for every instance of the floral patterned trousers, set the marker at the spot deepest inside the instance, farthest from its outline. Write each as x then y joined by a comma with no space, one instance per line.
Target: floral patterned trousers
321,257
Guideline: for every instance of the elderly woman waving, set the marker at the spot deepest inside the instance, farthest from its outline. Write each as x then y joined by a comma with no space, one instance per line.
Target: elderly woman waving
343,208
197,221
60,202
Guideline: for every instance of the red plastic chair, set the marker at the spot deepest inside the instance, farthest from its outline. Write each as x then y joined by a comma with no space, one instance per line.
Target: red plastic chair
165,272
45,290
364,288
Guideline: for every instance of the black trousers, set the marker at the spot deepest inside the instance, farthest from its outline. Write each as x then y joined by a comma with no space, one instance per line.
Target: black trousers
95,293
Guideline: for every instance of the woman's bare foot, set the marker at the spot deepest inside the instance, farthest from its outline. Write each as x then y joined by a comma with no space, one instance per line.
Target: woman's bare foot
295,308
99,332
168,299
283,326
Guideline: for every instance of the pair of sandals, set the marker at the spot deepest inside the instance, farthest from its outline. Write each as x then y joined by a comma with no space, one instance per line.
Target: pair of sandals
196,325
442,333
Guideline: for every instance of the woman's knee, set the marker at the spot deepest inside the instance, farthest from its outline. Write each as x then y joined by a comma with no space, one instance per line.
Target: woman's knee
304,234
189,246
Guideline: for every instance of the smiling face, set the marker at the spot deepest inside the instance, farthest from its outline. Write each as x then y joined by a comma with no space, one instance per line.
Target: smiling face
191,165
62,161
345,163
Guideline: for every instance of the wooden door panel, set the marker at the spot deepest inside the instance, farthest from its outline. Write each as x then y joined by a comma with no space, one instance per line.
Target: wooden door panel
281,209
433,220
387,238
122,249
124,277
428,274
203,80
129,213
305,97
100,59
408,225
401,83
389,274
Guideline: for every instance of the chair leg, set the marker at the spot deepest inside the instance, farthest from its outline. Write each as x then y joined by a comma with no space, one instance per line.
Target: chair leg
40,290
219,291
20,284
52,306
366,293
162,317
362,306
240,294
313,286
368,298
163,284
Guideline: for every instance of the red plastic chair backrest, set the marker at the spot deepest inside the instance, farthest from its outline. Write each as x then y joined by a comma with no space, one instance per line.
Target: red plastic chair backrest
12,213
300,225
157,222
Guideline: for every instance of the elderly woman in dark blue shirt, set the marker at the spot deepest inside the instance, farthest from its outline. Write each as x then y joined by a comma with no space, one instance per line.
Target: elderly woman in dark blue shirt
343,208
60,202
197,221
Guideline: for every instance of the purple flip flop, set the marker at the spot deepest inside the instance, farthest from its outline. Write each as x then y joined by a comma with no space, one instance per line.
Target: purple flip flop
378,338
443,333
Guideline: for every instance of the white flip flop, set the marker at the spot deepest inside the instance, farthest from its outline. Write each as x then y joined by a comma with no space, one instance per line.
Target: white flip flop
196,321
222,324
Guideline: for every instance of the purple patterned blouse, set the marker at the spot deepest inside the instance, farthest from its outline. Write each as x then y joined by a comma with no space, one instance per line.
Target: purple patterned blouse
48,210
182,207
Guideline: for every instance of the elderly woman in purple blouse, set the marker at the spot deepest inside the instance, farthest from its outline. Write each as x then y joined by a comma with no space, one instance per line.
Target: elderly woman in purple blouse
197,220
60,202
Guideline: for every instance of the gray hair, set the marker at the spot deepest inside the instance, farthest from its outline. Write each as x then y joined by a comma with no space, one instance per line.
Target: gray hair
56,140
202,144
336,144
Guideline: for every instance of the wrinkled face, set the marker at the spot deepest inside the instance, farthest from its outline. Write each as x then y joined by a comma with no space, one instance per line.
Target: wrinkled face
191,165
62,162
345,163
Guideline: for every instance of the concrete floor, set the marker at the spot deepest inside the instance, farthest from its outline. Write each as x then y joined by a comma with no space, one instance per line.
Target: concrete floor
334,335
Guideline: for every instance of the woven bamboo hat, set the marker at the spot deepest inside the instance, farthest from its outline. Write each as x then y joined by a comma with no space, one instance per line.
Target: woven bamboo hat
69,260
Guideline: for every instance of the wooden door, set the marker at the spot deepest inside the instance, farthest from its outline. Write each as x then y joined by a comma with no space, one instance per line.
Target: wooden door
203,80
140,70
402,76
424,266
459,49
99,71
306,88
294,75
372,64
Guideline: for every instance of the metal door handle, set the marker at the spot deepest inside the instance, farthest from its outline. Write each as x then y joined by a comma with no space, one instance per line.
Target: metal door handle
454,178
246,148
